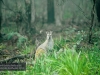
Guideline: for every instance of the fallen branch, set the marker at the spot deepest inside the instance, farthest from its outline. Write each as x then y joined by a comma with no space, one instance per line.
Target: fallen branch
10,60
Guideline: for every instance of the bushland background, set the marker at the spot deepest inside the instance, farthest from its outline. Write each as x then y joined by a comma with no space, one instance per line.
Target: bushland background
75,24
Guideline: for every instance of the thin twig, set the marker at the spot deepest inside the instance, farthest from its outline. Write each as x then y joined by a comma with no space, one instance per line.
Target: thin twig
80,10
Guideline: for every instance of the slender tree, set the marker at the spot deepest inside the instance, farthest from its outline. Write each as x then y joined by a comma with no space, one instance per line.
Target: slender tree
32,12
0,16
50,11
92,24
97,8
58,12
32,16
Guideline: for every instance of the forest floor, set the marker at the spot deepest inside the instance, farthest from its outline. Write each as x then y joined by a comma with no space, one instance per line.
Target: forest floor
66,38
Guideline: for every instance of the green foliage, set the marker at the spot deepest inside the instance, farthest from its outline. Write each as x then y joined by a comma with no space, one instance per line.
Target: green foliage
9,36
94,58
67,62
60,43
2,46
21,40
67,15
11,27
15,37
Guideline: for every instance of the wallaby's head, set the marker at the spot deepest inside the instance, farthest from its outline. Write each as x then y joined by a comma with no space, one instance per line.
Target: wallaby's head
49,35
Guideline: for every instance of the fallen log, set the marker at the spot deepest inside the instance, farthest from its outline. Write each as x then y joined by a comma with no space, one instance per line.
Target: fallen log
12,59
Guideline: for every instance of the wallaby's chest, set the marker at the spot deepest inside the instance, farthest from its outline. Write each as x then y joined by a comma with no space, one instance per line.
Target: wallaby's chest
50,44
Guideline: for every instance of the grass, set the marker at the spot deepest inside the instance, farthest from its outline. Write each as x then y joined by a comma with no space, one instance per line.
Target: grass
69,63
66,62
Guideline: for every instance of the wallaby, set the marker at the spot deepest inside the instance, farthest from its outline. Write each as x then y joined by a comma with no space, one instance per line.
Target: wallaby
47,45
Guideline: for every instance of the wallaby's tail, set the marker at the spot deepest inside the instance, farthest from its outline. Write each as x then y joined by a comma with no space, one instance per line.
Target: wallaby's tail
39,53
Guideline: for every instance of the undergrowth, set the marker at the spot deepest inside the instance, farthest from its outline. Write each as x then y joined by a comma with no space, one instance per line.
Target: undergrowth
64,62
15,37
68,62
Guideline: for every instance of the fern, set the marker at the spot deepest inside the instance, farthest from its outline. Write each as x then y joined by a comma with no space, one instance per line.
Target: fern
19,42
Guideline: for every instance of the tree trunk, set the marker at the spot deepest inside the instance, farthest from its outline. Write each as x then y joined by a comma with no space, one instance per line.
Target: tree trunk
44,17
92,24
32,29
50,11
58,12
0,17
98,9
32,12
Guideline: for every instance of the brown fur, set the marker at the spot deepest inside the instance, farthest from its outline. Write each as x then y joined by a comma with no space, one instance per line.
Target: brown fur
39,52
47,45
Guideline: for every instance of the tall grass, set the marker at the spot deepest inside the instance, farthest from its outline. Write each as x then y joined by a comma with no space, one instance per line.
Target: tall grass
66,62
69,62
